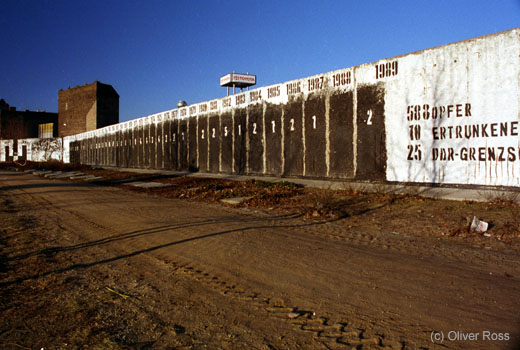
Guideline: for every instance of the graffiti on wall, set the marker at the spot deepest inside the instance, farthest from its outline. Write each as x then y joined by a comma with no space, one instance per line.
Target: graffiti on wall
36,150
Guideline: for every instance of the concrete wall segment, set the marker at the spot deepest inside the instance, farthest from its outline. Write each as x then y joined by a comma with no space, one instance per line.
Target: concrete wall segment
226,143
460,105
37,150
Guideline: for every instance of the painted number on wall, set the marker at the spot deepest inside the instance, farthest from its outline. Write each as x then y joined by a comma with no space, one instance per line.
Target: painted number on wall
255,95
414,152
240,99
415,132
385,70
294,88
370,115
226,102
341,79
315,84
273,91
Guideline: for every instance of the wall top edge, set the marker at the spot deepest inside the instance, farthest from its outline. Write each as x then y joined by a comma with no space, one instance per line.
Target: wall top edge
512,31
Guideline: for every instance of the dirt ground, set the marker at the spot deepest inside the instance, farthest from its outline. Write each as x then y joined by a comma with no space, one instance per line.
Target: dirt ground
113,266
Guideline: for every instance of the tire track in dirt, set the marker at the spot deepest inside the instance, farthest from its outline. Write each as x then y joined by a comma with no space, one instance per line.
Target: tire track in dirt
404,243
333,335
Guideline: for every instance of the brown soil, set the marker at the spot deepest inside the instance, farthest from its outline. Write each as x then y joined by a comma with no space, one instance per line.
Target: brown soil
103,267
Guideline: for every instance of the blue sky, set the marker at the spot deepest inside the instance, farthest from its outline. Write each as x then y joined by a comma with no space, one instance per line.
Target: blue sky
156,52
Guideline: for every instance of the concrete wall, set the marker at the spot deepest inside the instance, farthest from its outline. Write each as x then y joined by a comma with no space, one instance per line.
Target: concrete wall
6,150
446,115
36,150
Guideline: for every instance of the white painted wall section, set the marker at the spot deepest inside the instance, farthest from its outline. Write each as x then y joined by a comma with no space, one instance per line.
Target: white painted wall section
452,115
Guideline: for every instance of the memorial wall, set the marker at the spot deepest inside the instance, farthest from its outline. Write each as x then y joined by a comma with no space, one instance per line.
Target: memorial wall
445,115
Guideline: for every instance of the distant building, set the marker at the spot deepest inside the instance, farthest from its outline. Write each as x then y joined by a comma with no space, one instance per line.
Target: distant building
3,105
86,108
26,124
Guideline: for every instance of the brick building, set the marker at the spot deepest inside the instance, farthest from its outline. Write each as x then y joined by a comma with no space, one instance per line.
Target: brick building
86,108
26,124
